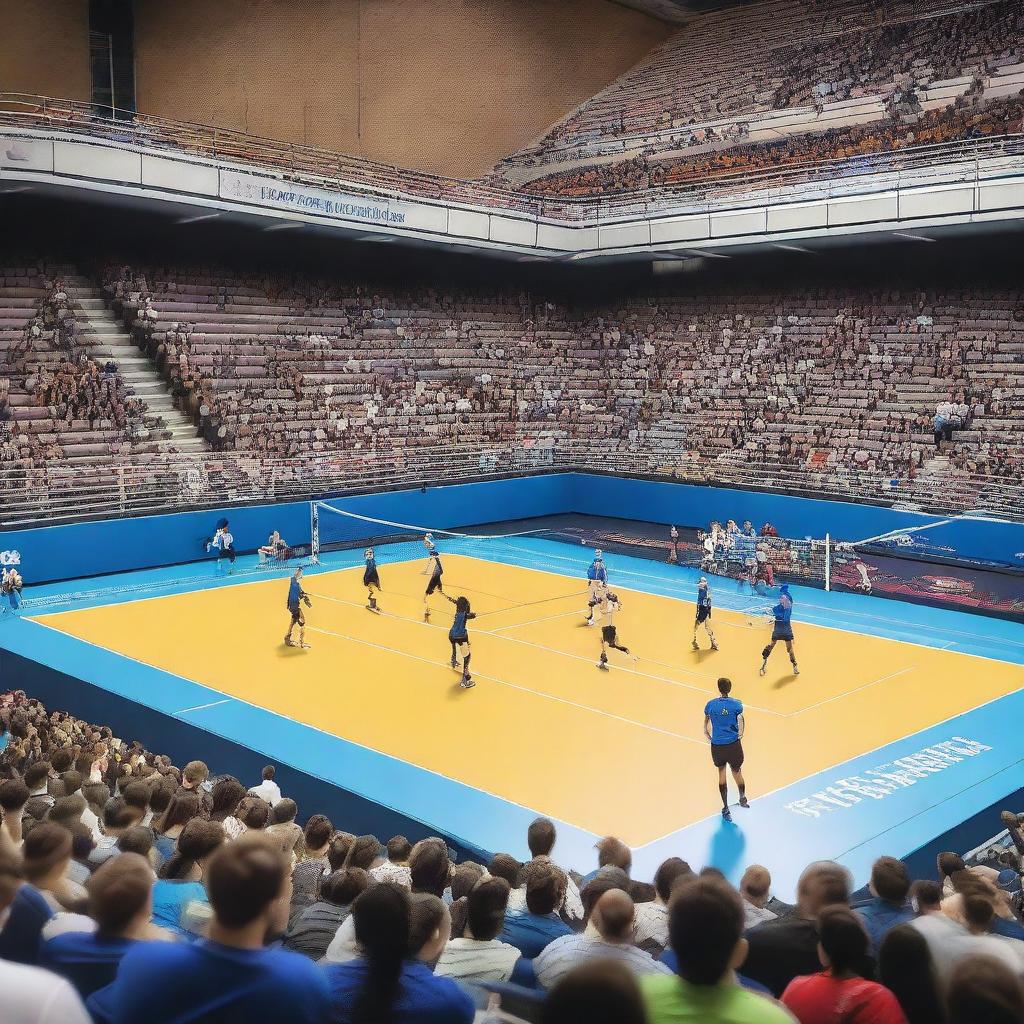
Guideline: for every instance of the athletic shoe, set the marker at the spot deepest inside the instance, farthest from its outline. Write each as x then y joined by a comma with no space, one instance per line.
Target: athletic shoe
744,802
289,641
796,671
695,645
454,663
764,668
726,814
467,683
426,616
305,646
714,647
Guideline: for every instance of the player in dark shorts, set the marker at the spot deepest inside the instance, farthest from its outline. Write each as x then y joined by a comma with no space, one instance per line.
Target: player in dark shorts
782,630
458,637
435,571
297,597
609,634
371,580
724,726
224,543
703,614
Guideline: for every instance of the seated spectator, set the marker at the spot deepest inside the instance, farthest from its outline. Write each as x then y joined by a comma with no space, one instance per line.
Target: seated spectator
889,886
755,888
47,853
317,925
120,906
599,992
140,840
226,795
182,878
532,929
905,967
611,852
429,867
366,853
275,548
36,778
118,818
14,795
396,867
610,937
252,813
184,806
24,912
652,918
841,994
268,789
480,955
283,826
983,990
976,913
310,871
230,976
504,865
706,935
783,949
943,935
540,838
464,878
384,983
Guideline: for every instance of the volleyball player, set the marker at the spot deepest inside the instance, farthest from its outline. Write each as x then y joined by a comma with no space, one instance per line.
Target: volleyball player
435,570
724,726
297,597
673,545
782,629
703,614
609,635
597,581
371,580
224,543
458,637
11,585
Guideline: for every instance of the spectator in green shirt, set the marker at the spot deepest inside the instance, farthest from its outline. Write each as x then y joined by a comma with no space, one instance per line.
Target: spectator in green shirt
706,933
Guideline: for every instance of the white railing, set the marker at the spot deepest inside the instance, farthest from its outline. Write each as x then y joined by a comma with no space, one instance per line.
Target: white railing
969,161
152,484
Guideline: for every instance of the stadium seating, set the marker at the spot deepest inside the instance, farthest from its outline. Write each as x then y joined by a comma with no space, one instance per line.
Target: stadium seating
834,378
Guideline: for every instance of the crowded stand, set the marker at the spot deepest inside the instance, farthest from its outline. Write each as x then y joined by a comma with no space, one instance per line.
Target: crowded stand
132,888
778,66
834,378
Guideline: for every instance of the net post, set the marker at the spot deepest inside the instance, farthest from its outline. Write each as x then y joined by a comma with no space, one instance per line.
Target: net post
828,562
314,534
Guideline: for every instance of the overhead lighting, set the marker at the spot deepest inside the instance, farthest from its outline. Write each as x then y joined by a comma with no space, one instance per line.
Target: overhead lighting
707,253
376,238
912,237
284,225
17,188
794,248
195,220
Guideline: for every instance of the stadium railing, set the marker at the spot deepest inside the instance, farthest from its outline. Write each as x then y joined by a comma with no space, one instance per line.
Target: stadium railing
141,485
969,161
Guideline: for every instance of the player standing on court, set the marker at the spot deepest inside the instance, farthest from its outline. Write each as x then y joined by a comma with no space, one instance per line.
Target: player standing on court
224,543
458,637
597,578
436,571
371,580
609,635
782,630
724,726
703,614
297,597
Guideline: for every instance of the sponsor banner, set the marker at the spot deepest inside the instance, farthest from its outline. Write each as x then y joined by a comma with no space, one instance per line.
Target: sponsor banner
374,211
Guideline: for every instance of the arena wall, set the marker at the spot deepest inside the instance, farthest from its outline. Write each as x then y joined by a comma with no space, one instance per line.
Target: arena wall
436,85
44,49
118,545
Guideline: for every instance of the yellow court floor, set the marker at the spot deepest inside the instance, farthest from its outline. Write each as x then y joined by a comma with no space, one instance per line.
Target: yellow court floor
619,752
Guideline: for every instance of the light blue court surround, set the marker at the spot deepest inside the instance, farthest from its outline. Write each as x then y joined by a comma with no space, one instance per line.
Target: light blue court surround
852,812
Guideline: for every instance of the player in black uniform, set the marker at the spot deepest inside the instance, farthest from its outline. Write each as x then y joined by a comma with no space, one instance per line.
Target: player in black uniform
297,597
609,635
371,580
703,614
436,571
458,637
782,630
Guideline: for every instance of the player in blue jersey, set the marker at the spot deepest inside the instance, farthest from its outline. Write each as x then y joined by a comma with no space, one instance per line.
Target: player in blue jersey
297,597
609,634
703,614
782,630
724,726
371,580
224,543
597,583
435,571
458,637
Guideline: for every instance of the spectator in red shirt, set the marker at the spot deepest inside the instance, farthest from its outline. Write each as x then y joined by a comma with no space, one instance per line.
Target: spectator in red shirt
839,995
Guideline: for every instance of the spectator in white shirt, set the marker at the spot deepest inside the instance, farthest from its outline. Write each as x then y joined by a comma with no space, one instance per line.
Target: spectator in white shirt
396,867
34,996
976,912
540,838
609,936
480,955
652,918
118,817
755,888
36,778
268,789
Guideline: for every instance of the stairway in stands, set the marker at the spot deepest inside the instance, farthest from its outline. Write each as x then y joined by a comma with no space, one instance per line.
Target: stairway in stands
108,339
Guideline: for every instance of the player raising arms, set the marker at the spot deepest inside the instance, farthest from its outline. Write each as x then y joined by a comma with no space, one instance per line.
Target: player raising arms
597,581
703,614
782,630
609,635
371,580
297,597
435,570
724,726
458,637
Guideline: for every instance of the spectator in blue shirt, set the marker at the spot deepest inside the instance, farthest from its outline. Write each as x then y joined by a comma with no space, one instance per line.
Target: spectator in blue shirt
181,878
229,977
385,984
532,929
889,886
27,912
121,903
